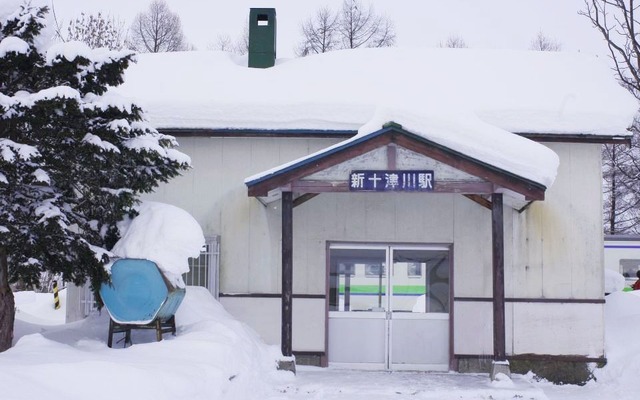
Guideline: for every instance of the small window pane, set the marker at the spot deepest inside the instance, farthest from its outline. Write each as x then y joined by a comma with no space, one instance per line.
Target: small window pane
423,292
356,280
629,267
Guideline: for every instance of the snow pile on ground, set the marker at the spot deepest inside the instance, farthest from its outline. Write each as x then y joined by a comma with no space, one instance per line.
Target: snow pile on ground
622,346
38,308
613,281
216,357
213,356
164,234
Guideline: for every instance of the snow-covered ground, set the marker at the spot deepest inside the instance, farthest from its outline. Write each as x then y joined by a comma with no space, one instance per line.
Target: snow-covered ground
213,356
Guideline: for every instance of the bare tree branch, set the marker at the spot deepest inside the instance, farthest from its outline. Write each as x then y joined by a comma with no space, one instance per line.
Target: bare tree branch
157,30
362,27
453,42
319,33
616,21
353,26
544,43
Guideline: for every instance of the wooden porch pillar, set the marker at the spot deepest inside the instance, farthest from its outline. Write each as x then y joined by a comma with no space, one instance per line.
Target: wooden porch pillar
497,236
287,272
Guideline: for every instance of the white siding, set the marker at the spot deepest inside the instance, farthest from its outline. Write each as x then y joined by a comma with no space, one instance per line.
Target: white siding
558,242
558,329
553,249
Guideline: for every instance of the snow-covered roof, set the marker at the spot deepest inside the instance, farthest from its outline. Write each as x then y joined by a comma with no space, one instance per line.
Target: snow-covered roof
461,133
518,91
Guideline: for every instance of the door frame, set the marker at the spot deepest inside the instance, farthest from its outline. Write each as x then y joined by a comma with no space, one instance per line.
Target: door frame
391,244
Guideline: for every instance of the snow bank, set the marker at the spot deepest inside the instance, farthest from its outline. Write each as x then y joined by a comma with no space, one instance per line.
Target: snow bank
38,308
613,281
213,356
164,234
622,346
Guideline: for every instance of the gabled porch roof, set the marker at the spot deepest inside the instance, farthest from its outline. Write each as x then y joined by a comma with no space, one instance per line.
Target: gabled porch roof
489,176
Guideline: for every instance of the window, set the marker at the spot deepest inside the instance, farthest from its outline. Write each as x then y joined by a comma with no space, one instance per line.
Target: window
414,270
407,279
203,270
374,270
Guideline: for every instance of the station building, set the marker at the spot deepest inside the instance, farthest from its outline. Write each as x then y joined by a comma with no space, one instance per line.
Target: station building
397,208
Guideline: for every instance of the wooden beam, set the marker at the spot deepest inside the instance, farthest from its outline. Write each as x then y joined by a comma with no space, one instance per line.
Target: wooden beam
308,186
459,187
287,273
497,239
303,199
392,154
480,200
463,187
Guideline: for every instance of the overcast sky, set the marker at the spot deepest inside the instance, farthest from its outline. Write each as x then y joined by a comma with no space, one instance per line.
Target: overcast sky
481,23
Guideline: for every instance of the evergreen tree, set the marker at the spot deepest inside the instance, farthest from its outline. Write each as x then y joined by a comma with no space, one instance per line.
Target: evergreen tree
73,158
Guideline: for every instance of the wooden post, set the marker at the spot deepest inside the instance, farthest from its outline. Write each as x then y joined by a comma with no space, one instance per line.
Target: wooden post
287,272
497,236
7,303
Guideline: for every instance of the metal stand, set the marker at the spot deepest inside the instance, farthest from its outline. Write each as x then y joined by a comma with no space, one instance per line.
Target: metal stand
500,367
168,326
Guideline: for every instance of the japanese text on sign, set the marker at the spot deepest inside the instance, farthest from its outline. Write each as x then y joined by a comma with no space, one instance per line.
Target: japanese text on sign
383,181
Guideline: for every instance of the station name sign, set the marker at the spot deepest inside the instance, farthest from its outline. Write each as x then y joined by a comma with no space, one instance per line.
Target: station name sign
391,181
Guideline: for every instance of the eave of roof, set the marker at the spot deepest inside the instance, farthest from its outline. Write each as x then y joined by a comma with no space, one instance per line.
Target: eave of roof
347,133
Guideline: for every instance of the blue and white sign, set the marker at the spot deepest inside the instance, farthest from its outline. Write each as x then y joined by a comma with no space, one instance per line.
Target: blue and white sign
391,181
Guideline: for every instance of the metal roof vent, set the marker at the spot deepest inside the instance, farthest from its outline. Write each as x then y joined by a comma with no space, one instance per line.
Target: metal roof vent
262,37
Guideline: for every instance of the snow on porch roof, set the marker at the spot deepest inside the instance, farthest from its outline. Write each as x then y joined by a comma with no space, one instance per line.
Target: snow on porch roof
460,133
518,91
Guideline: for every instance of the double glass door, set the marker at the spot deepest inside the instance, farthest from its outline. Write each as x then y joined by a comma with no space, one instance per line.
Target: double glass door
389,306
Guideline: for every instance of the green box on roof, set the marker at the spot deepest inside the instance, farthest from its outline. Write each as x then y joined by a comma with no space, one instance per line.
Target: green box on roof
262,37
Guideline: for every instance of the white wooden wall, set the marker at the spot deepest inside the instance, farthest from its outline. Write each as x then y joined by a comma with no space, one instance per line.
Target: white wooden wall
553,250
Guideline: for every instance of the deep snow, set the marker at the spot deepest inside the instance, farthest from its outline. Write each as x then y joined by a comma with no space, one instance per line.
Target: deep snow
214,357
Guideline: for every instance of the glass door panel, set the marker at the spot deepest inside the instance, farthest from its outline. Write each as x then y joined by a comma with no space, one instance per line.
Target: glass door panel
358,327
420,281
358,280
419,335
